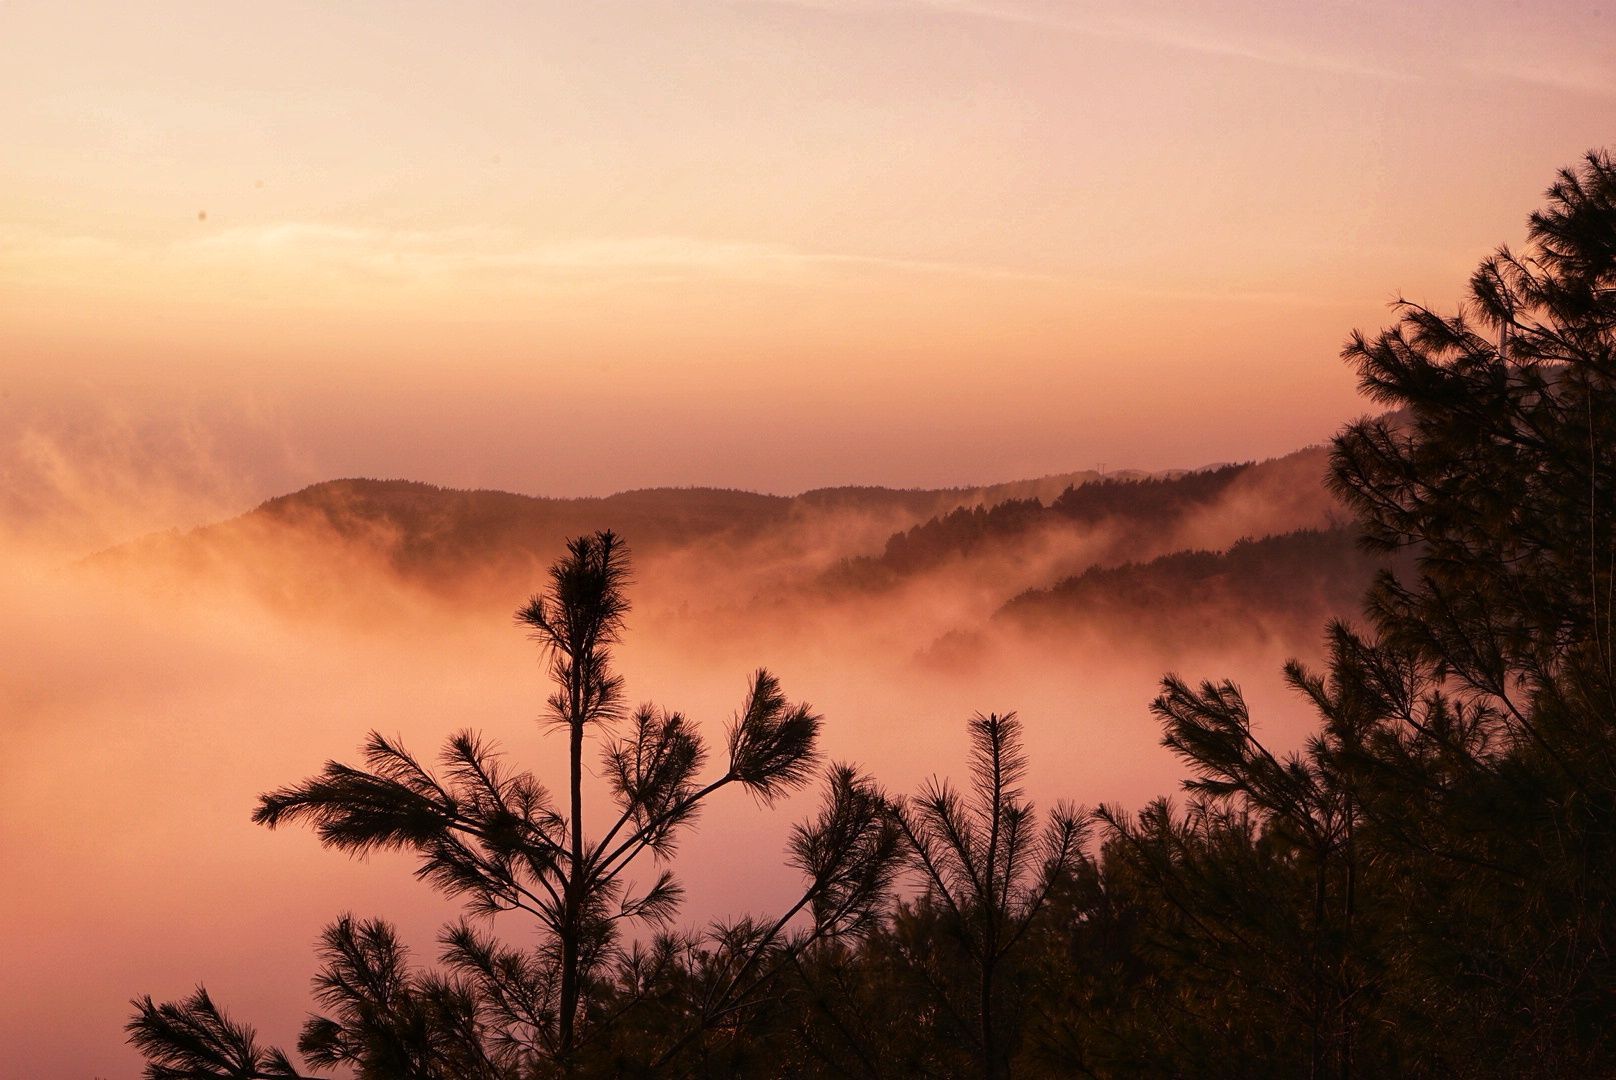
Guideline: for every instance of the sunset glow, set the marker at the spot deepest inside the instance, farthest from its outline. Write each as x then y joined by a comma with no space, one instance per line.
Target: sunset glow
968,239
575,249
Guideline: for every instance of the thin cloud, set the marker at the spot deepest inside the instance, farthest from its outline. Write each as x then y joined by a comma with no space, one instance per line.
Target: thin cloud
1570,77
404,258
474,250
1170,34
1587,78
413,255
1162,32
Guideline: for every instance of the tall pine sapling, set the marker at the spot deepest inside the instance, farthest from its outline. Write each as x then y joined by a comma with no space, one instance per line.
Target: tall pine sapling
982,858
495,837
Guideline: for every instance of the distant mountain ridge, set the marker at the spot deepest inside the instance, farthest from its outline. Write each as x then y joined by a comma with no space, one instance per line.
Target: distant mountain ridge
419,524
1193,593
1035,555
1137,513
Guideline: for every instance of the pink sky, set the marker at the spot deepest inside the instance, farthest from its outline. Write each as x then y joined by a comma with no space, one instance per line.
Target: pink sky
572,248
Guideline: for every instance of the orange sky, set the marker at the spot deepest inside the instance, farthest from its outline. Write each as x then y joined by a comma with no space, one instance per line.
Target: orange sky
571,248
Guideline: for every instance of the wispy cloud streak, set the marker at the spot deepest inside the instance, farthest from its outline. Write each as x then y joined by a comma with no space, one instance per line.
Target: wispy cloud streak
473,251
1119,26
1164,30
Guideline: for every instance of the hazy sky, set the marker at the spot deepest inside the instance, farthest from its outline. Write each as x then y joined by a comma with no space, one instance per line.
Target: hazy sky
575,247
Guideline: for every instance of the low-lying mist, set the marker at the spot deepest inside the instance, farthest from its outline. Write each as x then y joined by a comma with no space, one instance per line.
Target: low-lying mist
158,689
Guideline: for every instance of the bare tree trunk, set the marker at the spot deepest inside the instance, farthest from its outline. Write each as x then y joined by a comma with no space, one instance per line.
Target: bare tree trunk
1348,987
1316,1064
990,1062
572,920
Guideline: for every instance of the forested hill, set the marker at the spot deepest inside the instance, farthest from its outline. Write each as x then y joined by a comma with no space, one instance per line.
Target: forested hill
440,537
328,546
1124,516
1294,581
432,527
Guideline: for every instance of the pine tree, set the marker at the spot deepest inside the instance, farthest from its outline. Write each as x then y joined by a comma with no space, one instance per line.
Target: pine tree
496,838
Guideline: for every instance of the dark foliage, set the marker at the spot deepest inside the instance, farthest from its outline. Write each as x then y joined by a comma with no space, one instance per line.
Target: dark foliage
1193,596
495,838
1152,497
1115,516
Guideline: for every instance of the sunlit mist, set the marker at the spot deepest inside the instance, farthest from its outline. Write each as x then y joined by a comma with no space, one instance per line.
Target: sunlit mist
936,355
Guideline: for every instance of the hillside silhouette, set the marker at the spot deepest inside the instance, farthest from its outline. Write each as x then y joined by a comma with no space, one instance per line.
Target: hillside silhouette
1193,595
423,530
1125,514
1052,552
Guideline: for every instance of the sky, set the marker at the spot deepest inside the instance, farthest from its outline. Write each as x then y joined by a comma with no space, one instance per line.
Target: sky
571,248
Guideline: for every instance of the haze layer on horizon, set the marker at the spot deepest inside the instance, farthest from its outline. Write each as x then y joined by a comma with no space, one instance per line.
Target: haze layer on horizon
576,248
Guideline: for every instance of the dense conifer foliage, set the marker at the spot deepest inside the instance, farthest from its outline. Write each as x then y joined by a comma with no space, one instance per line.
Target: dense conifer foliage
1426,888
496,838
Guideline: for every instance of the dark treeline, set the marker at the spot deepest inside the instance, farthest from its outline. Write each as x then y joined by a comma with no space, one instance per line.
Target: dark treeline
430,534
1145,497
1427,888
966,529
1192,596
1118,513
